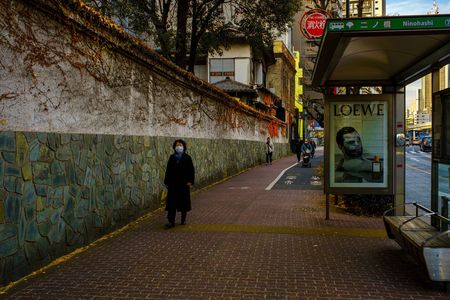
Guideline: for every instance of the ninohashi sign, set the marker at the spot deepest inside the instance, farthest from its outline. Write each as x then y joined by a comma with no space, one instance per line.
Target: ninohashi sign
312,23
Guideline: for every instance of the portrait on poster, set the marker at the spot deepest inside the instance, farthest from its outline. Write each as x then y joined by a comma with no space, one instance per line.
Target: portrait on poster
359,144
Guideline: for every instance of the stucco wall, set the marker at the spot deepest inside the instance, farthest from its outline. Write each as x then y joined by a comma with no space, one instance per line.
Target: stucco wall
87,119
59,78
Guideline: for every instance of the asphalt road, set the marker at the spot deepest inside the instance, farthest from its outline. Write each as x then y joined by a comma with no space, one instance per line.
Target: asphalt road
297,177
418,176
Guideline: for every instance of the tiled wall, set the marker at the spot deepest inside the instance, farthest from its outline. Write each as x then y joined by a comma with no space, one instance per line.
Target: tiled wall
62,191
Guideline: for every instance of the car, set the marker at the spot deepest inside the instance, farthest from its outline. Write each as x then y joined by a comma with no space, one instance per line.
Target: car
425,144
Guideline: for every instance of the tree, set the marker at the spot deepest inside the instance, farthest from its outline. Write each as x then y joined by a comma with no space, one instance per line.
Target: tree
206,15
153,19
261,21
181,37
174,26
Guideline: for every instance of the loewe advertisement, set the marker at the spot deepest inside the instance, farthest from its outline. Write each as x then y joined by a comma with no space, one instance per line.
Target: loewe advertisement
359,144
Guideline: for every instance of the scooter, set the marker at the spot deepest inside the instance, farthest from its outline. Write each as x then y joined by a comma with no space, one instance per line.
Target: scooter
306,162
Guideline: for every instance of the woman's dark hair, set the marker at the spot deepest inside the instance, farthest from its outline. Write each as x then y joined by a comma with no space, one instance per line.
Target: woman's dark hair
179,141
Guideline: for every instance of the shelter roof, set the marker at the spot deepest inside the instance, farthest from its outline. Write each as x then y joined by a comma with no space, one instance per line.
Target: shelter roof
383,51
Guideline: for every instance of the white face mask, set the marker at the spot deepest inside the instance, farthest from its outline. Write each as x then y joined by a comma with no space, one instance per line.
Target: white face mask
179,149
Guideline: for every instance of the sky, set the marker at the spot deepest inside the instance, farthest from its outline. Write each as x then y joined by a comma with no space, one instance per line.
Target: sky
414,7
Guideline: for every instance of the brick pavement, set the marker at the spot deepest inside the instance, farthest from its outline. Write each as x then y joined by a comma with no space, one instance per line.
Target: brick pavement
241,242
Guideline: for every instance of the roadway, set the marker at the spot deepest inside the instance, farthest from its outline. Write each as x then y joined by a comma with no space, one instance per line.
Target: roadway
418,176
417,181
296,177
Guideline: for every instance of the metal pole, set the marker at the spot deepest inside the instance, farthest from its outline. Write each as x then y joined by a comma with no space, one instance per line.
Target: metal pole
305,124
327,207
435,87
444,212
347,9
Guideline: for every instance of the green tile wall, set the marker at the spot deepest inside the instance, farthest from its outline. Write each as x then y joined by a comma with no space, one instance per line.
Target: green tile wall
62,191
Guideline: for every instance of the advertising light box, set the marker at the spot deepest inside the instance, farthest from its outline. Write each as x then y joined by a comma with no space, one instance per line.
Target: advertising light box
357,152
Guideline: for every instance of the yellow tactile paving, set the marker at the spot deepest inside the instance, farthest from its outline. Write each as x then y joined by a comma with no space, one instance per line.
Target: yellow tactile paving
338,231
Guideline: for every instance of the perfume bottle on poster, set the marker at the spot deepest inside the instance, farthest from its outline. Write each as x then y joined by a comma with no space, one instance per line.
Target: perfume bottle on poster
376,168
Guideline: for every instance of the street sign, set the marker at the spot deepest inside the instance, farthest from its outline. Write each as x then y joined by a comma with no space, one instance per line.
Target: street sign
403,23
312,23
315,24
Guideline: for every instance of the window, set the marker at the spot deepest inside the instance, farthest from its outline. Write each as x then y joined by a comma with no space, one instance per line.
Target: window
220,68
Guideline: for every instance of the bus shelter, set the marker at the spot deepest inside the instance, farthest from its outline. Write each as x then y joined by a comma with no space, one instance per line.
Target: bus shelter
383,54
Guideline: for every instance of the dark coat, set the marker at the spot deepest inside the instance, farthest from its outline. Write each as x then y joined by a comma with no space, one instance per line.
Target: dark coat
178,173
298,146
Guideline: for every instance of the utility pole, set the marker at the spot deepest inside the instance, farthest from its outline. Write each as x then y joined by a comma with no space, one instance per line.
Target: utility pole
347,9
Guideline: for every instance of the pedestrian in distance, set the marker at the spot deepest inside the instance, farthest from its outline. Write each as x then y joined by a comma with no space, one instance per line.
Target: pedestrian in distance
179,178
298,148
306,150
307,147
269,151
313,144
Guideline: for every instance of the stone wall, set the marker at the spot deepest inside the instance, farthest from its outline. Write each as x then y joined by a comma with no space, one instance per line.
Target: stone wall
87,118
62,191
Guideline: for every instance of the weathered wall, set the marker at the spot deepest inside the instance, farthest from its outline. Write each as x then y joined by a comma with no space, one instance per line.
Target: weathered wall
88,116
62,79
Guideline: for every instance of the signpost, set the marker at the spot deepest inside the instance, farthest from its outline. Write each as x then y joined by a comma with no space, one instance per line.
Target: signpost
312,23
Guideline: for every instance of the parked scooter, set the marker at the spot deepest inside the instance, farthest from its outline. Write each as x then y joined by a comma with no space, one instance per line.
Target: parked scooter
306,162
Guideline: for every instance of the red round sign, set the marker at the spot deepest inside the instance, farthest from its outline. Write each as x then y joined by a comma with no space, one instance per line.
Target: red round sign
313,24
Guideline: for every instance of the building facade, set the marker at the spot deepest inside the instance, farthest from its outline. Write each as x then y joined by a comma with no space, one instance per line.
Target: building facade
271,73
421,118
299,112
426,90
369,8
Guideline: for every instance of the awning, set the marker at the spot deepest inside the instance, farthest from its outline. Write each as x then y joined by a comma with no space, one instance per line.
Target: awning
384,51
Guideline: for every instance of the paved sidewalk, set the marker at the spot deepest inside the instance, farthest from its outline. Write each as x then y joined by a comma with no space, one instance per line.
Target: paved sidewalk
241,242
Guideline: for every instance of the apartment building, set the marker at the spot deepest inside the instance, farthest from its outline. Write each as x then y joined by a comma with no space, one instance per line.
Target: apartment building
364,8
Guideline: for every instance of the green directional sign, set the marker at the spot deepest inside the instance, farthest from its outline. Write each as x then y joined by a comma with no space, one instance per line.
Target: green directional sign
375,24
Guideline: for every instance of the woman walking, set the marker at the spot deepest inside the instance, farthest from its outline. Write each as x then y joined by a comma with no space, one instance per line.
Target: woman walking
179,178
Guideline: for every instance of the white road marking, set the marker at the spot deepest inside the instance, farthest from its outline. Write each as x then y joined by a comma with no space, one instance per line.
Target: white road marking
270,186
420,170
